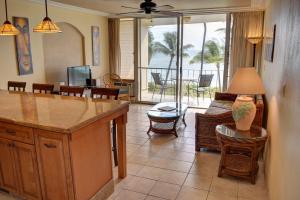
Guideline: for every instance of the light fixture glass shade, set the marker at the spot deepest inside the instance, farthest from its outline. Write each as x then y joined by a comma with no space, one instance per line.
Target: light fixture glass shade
8,29
246,81
254,40
47,26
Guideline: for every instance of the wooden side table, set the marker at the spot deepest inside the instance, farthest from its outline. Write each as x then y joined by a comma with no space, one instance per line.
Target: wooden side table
240,150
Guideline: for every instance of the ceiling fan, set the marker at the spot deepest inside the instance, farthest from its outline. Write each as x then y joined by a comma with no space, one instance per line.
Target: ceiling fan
149,7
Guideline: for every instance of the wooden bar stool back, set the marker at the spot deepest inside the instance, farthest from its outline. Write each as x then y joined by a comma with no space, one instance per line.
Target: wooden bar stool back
17,86
109,93
71,91
42,88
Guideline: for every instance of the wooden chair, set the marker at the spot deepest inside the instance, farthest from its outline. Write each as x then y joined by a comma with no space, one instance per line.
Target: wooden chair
114,81
71,91
42,88
109,93
17,86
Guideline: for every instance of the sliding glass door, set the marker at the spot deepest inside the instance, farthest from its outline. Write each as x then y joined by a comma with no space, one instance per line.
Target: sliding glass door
182,58
159,39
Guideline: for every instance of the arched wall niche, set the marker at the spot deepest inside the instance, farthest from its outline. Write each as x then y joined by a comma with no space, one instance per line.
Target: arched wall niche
62,50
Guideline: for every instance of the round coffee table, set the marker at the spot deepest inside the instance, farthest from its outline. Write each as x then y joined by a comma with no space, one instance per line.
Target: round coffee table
240,150
165,122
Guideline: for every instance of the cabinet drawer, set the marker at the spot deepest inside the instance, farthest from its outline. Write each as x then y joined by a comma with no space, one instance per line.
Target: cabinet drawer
16,132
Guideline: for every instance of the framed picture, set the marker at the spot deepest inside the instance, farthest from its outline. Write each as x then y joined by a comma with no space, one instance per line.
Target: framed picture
24,57
96,45
270,46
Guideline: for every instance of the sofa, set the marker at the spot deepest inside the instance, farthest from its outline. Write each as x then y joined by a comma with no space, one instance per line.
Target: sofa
219,112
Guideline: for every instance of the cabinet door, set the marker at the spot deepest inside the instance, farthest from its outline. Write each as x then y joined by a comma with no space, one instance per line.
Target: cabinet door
27,171
54,165
8,175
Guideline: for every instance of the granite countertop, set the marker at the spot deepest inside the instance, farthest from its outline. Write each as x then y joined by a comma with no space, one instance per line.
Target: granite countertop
53,112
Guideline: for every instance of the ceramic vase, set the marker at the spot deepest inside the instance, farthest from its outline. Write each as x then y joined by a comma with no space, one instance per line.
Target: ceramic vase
243,111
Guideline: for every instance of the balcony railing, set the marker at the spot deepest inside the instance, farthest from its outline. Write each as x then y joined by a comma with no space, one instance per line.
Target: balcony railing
189,77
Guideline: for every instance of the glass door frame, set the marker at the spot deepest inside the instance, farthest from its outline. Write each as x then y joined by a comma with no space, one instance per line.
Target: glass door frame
137,52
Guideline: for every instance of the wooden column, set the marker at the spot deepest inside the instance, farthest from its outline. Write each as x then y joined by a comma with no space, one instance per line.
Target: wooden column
121,137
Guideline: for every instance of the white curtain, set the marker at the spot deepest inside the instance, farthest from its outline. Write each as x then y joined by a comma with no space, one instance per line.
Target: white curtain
245,25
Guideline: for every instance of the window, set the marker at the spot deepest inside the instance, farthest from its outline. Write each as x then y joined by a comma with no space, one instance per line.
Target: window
127,48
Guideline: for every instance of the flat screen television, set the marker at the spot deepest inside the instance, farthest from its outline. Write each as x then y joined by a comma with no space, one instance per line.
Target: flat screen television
79,75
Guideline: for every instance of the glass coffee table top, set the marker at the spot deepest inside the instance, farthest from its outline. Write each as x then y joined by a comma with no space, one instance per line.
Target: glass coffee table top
230,130
179,110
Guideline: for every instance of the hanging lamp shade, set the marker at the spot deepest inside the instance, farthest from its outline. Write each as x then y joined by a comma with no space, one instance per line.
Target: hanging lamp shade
47,26
7,28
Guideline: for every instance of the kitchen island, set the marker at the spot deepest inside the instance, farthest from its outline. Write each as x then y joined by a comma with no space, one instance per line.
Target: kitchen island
59,148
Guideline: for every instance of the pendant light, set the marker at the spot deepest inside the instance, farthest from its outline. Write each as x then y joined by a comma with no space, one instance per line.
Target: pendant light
7,28
47,26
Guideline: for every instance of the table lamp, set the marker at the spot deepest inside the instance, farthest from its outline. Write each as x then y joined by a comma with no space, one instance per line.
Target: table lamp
246,83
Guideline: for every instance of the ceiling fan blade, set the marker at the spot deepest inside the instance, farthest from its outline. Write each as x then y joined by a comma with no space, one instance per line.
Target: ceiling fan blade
168,13
165,7
130,7
127,13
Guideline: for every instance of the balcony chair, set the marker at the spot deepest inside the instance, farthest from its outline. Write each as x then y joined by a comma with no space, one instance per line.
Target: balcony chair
203,85
160,83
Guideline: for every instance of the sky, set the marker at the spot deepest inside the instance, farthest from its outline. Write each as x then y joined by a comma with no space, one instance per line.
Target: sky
193,33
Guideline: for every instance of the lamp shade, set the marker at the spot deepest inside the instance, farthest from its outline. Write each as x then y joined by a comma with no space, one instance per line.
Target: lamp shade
246,81
47,26
254,40
8,29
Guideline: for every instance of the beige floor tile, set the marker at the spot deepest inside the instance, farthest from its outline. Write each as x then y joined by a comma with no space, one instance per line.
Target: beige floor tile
252,192
165,190
204,170
225,185
198,182
219,196
179,166
188,193
133,168
138,159
139,184
153,198
173,177
151,172
129,195
136,140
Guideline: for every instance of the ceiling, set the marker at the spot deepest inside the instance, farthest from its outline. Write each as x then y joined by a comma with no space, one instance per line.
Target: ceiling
186,6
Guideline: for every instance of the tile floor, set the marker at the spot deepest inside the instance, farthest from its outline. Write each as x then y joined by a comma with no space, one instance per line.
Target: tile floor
167,168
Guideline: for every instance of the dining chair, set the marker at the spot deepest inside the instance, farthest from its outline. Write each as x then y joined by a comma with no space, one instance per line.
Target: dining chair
71,90
109,93
16,85
42,88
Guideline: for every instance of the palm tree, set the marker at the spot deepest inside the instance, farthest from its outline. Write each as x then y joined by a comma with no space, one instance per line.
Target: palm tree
213,53
150,46
169,48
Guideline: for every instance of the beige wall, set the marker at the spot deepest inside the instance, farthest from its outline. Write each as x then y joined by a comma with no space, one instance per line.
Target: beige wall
61,51
35,12
282,82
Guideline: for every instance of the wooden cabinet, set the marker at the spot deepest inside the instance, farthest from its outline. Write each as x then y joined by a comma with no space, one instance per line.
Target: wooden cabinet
54,166
27,171
8,172
18,169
